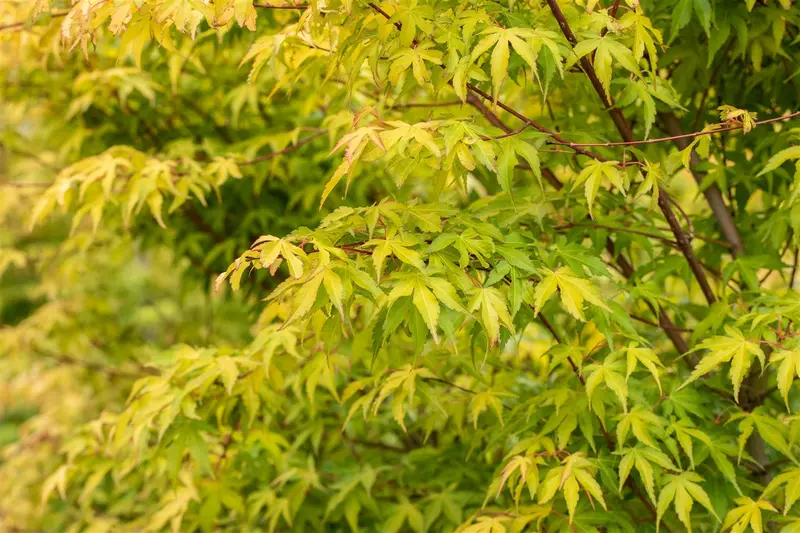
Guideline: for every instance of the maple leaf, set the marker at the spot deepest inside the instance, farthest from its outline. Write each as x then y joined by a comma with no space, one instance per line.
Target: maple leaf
683,489
606,50
574,291
592,177
734,348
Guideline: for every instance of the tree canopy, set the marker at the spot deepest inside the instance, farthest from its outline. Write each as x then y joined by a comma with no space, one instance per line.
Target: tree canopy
399,266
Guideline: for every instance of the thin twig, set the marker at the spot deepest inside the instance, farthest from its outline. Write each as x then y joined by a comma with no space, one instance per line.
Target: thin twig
712,193
508,134
31,155
23,22
387,16
288,149
645,321
428,104
720,128
558,138
271,6
612,12
625,268
614,228
451,384
685,216
24,184
99,367
226,442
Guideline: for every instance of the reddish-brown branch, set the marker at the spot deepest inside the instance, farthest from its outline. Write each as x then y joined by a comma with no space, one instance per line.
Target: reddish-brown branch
226,442
495,121
486,96
613,14
387,16
712,193
616,113
685,246
558,138
721,128
451,384
555,335
614,8
352,248
490,116
646,234
624,128
12,25
507,134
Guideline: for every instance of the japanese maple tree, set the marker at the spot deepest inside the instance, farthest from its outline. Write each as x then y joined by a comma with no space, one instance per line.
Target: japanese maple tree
472,266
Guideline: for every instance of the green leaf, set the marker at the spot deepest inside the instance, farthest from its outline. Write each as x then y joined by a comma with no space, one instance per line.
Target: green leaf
648,359
529,153
505,167
198,449
606,50
684,490
228,371
573,290
747,513
499,64
681,16
702,9
787,370
516,258
780,158
592,177
734,348
493,310
428,306
610,373
636,457
576,473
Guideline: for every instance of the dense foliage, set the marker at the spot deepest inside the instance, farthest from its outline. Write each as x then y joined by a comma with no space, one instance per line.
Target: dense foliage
485,266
